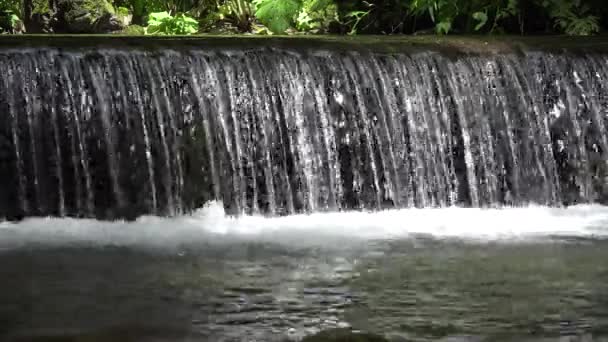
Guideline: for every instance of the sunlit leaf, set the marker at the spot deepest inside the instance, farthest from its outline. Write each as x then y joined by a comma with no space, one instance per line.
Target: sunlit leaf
278,15
443,27
481,18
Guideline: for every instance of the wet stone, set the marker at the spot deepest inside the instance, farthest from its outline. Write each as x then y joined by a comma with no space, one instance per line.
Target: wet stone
343,335
238,319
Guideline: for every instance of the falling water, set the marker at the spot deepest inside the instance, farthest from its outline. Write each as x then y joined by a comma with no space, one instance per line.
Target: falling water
122,133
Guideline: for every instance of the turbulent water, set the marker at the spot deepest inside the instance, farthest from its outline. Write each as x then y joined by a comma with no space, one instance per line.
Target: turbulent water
533,274
124,133
211,224
420,195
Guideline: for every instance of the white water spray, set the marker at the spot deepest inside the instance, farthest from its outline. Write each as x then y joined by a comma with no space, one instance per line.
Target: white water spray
211,225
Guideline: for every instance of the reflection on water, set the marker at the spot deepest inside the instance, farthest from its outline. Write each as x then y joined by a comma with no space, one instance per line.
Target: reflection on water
430,290
412,290
405,275
247,290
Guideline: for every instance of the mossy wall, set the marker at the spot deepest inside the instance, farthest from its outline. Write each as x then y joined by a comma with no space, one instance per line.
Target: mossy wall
452,45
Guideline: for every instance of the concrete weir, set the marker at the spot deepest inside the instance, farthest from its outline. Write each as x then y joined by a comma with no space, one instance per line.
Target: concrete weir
118,127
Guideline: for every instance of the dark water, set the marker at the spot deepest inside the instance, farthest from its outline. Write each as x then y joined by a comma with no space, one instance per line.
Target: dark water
415,289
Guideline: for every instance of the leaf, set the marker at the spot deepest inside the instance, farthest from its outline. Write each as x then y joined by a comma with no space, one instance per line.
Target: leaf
355,14
482,19
582,26
318,5
258,3
444,27
159,16
163,23
513,6
278,15
14,19
305,22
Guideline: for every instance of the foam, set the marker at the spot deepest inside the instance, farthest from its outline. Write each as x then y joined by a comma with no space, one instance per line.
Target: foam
210,224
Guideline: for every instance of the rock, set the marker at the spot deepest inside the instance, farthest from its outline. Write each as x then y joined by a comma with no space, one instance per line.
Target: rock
71,16
88,16
125,17
40,16
344,335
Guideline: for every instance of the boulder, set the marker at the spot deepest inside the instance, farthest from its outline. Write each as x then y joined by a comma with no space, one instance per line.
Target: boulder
39,16
88,16
71,16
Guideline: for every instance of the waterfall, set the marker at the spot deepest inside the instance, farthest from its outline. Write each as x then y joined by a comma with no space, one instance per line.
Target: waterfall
118,133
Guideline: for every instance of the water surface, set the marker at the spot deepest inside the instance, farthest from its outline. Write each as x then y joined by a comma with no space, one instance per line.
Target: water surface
518,274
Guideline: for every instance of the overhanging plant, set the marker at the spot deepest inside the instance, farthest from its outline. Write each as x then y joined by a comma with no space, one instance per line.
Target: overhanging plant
163,23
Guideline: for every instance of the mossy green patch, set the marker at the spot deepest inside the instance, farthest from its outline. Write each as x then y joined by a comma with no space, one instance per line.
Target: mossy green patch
88,16
96,8
133,30
40,7
451,45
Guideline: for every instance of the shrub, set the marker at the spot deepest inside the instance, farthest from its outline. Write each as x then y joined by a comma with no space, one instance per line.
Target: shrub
163,23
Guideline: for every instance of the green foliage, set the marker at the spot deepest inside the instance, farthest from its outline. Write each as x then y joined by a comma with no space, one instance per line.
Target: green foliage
11,6
277,15
227,16
40,6
122,11
579,26
134,30
163,23
572,17
385,17
504,11
9,22
239,13
445,14
141,8
482,19
316,16
442,12
147,6
201,8
576,17
124,15
490,12
354,18
10,14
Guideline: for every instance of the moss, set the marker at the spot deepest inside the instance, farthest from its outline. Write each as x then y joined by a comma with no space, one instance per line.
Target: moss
133,30
40,7
122,11
452,45
87,16
95,7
